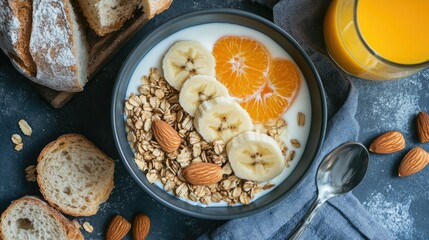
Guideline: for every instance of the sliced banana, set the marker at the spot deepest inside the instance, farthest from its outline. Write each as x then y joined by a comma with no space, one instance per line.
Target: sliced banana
221,119
198,89
185,59
255,156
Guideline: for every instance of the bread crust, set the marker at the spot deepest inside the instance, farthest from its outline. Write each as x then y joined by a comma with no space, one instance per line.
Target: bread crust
48,148
154,7
73,232
100,30
16,18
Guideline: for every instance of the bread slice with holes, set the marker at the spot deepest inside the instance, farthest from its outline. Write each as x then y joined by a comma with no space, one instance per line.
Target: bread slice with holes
75,176
106,16
31,218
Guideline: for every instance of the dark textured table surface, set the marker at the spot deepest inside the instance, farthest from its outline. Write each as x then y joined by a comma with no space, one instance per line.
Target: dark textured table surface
402,205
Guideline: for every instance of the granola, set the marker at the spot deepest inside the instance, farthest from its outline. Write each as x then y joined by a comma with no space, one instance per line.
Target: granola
156,99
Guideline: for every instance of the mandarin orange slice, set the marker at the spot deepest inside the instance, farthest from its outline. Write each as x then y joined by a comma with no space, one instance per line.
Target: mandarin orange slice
277,94
241,64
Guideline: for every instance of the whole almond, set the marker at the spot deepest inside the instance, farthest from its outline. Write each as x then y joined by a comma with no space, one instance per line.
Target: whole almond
118,228
414,161
203,173
423,126
167,138
388,142
141,226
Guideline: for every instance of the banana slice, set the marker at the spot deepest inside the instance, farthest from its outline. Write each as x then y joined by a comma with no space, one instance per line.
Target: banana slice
185,59
221,119
198,89
255,156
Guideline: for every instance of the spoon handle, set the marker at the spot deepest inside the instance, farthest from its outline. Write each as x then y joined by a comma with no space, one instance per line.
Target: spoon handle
306,220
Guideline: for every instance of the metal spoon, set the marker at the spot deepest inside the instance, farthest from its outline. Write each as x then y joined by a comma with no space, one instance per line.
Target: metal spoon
341,171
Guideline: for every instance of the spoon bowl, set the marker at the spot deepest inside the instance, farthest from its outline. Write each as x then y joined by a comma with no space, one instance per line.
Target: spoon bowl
340,171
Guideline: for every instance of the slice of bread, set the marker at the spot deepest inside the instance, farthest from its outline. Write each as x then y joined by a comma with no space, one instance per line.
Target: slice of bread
74,176
31,218
15,30
106,16
154,7
58,46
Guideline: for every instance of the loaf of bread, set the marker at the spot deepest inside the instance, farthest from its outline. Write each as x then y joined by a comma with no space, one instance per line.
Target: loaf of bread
74,176
15,30
106,16
58,46
31,218
48,44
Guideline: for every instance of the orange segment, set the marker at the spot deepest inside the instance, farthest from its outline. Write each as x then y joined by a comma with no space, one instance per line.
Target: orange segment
277,94
241,64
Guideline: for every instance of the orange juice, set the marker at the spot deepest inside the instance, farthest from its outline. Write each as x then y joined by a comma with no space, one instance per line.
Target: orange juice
382,39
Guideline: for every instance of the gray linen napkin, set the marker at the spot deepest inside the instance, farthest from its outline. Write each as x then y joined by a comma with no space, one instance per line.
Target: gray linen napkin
339,218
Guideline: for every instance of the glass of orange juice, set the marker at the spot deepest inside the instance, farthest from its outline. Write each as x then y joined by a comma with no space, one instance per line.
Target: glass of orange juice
378,39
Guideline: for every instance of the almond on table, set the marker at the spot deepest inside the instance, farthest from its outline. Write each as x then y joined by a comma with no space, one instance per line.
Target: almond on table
423,127
388,142
118,228
141,227
414,161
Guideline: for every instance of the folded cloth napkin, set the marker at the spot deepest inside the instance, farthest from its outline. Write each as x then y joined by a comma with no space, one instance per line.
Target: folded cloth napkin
341,217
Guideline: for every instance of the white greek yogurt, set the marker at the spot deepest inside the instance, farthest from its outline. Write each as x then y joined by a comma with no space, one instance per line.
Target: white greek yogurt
208,34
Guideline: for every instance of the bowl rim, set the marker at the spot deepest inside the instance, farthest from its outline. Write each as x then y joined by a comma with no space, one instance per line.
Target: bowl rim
118,125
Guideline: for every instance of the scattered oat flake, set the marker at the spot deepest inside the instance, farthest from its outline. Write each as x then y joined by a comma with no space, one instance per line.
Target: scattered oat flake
30,172
88,227
16,139
25,128
18,147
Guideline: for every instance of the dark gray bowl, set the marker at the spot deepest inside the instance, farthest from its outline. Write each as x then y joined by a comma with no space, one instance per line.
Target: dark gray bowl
318,121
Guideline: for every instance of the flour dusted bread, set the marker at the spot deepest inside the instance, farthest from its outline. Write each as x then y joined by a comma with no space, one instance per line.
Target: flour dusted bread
15,30
106,16
58,46
31,218
74,176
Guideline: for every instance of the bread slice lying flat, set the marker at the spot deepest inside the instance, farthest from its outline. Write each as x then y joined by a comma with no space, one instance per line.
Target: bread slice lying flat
15,30
106,16
31,218
74,176
58,46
